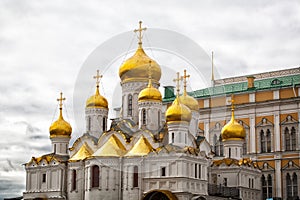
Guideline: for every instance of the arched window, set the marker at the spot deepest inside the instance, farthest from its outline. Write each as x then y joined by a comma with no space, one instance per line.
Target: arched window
295,185
268,140
73,180
95,176
144,116
104,124
291,186
135,176
229,153
218,145
266,186
89,123
262,141
293,138
129,105
287,139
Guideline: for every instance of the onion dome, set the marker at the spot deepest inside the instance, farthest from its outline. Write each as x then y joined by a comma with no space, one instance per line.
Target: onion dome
97,100
136,67
150,93
60,128
233,130
178,112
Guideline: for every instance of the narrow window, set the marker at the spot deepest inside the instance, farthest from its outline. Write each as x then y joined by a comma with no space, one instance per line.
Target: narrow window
196,168
89,123
269,186
287,139
104,124
268,140
225,182
144,115
252,183
289,186
95,176
73,179
295,185
135,176
163,171
43,178
173,137
262,141
199,172
130,105
249,183
293,138
229,153
264,187
158,118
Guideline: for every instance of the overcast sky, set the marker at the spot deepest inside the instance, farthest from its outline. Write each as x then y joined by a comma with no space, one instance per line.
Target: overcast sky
43,45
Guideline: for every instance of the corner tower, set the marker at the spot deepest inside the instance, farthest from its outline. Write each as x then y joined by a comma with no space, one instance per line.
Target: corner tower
134,77
96,111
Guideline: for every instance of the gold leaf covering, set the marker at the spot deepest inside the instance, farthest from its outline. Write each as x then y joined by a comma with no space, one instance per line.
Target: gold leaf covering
141,148
97,101
178,112
83,153
112,148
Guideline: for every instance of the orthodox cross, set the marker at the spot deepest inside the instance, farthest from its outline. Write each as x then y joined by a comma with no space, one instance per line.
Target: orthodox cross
98,77
179,78
232,102
60,100
184,77
140,36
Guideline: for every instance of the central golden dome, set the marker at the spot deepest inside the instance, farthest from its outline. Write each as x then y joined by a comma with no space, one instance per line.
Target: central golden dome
233,130
178,112
136,68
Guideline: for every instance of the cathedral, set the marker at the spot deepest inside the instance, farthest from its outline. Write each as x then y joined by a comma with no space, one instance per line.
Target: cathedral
237,139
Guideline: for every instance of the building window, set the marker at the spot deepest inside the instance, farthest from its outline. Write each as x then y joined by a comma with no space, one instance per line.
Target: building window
158,118
43,178
130,105
199,172
73,180
89,123
218,146
95,176
287,139
265,141
291,186
225,182
266,186
163,171
135,176
268,140
262,141
144,115
104,124
229,153
196,168
173,137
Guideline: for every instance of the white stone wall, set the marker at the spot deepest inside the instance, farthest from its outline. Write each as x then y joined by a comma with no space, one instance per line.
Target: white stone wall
94,121
153,115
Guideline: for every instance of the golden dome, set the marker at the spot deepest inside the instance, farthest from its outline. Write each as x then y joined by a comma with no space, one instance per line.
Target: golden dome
233,130
150,93
136,67
189,101
178,112
97,100
60,128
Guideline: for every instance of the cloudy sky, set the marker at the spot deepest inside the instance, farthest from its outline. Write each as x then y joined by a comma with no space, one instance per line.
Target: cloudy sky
43,45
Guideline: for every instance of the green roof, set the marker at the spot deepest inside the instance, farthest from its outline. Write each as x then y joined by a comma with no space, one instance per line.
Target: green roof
262,84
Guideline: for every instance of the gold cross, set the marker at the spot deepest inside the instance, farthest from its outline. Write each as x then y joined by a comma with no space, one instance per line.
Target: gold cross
184,77
179,78
98,77
140,29
61,99
232,102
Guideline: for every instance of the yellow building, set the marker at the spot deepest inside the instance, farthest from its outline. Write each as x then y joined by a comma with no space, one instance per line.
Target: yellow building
268,106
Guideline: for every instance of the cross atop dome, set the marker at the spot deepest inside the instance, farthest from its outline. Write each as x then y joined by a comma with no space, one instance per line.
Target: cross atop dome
140,36
98,77
184,77
179,78
60,100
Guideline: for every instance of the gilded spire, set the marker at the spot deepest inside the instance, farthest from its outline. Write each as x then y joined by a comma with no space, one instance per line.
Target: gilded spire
212,70
179,78
60,100
184,77
232,107
149,75
140,36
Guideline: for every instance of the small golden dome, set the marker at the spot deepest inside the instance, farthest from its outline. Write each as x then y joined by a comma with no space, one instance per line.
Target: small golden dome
233,130
178,112
60,128
189,101
97,100
136,67
150,93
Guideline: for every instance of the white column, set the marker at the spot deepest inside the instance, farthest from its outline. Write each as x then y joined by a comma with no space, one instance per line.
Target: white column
277,131
206,130
278,177
252,134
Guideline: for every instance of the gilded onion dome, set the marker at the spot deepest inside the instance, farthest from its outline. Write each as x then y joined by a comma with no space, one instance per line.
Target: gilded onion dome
233,130
60,128
186,99
136,67
97,100
150,93
177,111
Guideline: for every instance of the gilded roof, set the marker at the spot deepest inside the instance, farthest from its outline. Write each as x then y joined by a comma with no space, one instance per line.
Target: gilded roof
60,127
97,100
233,130
231,161
113,147
178,112
83,153
141,148
48,158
